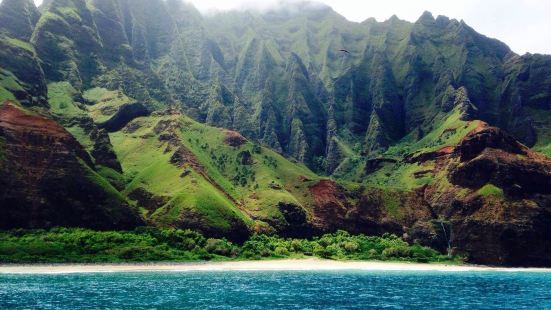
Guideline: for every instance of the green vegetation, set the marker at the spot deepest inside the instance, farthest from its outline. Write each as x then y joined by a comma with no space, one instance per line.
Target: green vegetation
16,42
148,167
490,190
63,245
228,182
542,121
105,103
447,131
68,112
8,84
60,97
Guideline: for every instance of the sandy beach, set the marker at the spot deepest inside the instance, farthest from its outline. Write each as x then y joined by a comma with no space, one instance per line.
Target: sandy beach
312,264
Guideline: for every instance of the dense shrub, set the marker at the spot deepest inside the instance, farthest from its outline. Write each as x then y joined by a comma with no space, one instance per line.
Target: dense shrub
220,247
153,244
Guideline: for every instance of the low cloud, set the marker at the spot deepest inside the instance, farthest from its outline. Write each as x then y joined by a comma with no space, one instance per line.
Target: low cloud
290,6
523,24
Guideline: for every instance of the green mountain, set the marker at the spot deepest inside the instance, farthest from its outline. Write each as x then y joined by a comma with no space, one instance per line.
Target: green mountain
293,121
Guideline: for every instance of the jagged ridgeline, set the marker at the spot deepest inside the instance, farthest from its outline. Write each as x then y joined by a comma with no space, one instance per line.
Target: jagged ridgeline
292,121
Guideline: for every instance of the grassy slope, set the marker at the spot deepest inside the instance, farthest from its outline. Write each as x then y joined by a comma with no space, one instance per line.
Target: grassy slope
147,166
225,189
66,110
106,103
220,196
8,84
231,191
449,130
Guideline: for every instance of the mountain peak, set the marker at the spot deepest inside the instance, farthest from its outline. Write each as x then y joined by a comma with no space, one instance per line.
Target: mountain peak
427,17
394,18
370,20
442,20
18,18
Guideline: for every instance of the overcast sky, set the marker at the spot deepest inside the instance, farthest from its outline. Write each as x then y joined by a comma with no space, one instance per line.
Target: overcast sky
525,25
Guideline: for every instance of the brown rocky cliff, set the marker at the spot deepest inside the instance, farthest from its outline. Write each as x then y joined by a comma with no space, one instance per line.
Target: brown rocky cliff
47,178
508,228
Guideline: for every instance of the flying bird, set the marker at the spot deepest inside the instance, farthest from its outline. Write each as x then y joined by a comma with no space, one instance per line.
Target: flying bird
344,51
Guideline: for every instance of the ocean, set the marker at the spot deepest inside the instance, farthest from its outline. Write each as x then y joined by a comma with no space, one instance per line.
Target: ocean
278,290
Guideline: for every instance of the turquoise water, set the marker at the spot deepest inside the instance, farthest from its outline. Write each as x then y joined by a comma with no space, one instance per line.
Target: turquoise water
278,290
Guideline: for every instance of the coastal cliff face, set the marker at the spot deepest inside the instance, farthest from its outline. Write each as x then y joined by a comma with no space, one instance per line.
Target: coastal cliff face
48,179
496,206
117,114
490,201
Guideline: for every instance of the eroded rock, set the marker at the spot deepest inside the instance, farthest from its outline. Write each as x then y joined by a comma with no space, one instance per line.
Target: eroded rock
47,179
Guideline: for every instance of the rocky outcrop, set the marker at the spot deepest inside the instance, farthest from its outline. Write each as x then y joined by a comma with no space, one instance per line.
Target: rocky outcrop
103,152
500,203
47,179
427,156
495,211
330,205
373,165
125,115
295,224
512,234
147,200
233,138
488,137
492,157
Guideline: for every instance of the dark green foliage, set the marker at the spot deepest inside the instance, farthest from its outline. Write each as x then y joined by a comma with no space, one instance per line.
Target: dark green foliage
18,18
340,245
20,71
257,149
67,41
281,80
152,244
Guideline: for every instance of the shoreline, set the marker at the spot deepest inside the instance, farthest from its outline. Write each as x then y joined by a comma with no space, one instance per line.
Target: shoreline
311,264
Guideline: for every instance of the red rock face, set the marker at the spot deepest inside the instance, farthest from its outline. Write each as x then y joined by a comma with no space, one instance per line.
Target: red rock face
35,140
491,156
512,229
233,138
330,207
46,178
488,138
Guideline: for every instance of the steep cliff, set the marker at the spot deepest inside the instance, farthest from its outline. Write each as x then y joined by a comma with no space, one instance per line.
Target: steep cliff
48,179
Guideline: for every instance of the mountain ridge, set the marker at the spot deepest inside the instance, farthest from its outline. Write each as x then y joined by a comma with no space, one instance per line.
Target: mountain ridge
295,124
